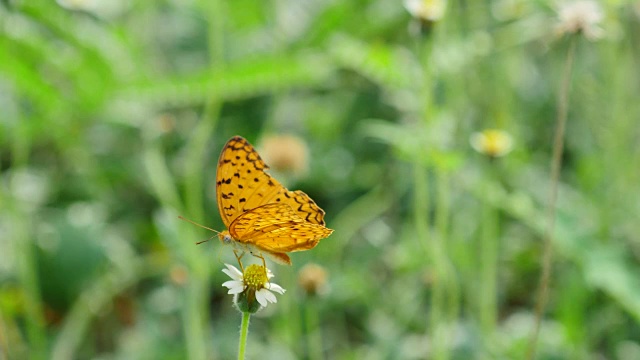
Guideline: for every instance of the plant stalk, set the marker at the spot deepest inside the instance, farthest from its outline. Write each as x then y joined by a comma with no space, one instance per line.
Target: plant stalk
244,332
556,165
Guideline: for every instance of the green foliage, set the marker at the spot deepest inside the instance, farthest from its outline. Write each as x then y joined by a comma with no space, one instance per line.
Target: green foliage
113,113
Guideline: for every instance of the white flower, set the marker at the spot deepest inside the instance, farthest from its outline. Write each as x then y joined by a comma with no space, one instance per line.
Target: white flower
254,283
286,154
429,10
581,16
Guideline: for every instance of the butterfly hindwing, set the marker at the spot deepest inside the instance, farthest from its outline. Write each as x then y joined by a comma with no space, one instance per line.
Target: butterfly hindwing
277,228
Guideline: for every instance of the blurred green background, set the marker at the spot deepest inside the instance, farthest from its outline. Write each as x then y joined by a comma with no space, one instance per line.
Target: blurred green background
113,114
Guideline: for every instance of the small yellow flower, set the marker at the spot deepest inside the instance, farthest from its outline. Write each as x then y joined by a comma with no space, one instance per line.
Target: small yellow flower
286,154
313,279
492,142
582,16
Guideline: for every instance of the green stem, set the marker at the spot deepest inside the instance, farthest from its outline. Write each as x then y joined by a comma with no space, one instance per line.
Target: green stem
244,332
432,242
312,331
556,165
442,215
26,250
431,247
488,271
35,324
215,11
193,320
195,160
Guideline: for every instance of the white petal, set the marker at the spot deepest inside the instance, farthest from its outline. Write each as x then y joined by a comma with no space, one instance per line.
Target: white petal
261,298
229,274
234,286
232,283
233,272
268,295
275,287
236,290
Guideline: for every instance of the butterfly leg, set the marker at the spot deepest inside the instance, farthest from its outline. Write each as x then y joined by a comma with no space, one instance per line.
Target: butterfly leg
238,257
264,263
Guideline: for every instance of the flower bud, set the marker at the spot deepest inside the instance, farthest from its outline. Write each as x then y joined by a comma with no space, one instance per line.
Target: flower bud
312,278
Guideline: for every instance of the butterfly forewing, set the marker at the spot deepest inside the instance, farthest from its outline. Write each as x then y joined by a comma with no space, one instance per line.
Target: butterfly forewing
243,185
237,162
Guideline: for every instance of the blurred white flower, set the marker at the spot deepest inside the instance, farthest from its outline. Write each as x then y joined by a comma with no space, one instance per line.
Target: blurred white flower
286,154
582,16
429,10
312,278
491,142
251,285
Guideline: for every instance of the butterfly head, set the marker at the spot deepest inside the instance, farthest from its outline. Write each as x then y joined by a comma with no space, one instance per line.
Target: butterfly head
225,237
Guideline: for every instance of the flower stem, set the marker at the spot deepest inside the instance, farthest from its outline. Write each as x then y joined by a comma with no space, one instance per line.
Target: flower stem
244,331
556,164
488,270
433,248
313,332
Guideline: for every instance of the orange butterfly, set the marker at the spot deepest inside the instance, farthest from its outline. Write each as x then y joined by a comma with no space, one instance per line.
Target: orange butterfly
261,215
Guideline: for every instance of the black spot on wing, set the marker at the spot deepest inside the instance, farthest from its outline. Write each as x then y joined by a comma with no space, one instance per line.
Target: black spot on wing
227,195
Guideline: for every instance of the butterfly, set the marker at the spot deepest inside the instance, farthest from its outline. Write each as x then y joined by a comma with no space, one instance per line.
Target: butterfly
261,215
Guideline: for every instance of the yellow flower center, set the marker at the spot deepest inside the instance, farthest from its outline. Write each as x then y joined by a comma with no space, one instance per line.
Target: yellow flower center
255,276
495,142
492,142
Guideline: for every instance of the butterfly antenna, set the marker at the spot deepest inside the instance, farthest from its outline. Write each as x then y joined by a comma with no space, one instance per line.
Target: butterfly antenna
204,241
202,226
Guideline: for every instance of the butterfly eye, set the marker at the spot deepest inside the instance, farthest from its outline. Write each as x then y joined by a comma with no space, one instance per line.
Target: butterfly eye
227,239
